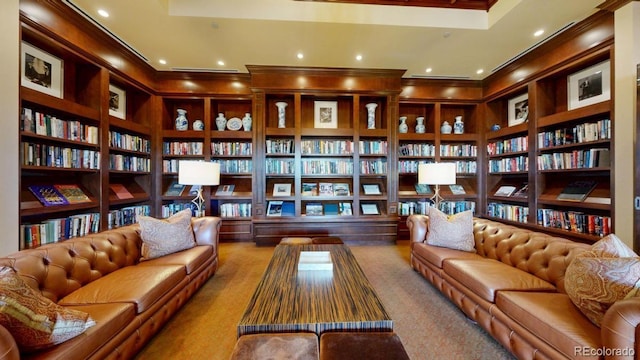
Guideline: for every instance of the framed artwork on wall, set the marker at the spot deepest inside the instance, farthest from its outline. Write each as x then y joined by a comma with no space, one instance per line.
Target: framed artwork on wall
518,112
40,70
325,115
589,86
117,102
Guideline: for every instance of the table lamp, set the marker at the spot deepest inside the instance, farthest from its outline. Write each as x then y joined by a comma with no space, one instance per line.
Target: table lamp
437,174
203,173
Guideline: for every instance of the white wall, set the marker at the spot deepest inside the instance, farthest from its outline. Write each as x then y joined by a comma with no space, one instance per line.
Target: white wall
9,136
627,56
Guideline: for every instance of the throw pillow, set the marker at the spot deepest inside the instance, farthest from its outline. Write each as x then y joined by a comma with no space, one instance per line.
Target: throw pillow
34,321
596,279
163,237
454,232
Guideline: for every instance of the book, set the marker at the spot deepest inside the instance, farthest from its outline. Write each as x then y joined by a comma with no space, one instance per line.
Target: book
457,189
313,209
309,189
274,208
331,209
282,189
370,209
325,189
174,189
577,190
341,189
225,190
288,208
522,192
345,208
505,190
48,195
371,189
120,191
28,123
194,189
73,193
423,189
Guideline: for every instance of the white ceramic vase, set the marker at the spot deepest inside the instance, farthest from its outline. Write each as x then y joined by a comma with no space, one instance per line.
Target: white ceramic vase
182,123
221,122
246,122
281,114
371,115
198,125
458,125
403,128
420,128
445,128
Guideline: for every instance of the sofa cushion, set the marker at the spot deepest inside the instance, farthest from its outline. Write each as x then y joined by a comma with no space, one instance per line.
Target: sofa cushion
453,232
485,277
192,259
165,236
598,278
140,285
437,255
34,321
552,317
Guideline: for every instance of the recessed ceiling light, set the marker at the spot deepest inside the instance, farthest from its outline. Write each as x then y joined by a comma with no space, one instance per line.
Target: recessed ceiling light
103,13
162,61
358,57
480,71
220,62
300,55
428,70
538,33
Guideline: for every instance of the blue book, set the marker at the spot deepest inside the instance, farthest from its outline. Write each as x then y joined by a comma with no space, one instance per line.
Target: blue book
288,208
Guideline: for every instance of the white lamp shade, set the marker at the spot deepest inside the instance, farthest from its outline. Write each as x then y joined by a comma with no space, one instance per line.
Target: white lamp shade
437,173
191,172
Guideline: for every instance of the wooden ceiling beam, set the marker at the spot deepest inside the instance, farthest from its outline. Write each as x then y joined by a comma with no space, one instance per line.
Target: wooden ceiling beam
448,4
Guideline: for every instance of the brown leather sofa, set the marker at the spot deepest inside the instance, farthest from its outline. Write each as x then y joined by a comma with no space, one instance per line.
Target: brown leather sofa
513,287
101,274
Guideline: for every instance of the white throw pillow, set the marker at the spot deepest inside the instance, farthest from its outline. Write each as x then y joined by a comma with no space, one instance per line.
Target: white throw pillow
454,232
163,237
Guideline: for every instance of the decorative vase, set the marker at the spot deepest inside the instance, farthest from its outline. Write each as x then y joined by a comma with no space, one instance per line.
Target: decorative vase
371,115
445,128
495,127
420,128
198,125
221,122
458,125
281,114
182,123
403,128
246,122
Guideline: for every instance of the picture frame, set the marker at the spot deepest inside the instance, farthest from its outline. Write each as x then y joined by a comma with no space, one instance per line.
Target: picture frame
40,70
117,102
518,111
325,115
371,189
370,209
589,86
224,190
282,189
274,208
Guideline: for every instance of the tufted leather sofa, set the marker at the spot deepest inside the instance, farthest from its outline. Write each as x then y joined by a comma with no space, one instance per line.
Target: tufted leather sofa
513,287
101,274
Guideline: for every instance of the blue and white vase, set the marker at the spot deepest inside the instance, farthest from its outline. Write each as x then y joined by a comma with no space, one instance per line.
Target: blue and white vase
221,122
458,125
182,123
246,122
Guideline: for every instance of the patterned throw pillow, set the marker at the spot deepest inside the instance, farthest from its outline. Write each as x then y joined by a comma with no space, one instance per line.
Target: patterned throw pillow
34,321
596,279
163,237
454,232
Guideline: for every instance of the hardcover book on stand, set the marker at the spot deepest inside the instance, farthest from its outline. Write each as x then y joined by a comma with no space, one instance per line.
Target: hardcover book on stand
120,191
577,190
48,195
505,190
174,189
72,193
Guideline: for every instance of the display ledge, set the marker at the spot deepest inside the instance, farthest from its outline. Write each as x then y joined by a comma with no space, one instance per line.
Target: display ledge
589,144
59,105
583,113
131,152
507,132
57,140
129,126
57,169
510,199
35,208
416,137
230,134
508,154
114,201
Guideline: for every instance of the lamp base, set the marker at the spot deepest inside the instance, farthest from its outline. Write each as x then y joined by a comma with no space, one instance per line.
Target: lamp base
436,198
198,201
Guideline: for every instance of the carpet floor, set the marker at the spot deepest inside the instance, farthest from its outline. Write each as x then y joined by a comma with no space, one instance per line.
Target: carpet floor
428,324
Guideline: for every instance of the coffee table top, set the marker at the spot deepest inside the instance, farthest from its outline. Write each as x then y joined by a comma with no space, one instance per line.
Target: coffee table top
288,300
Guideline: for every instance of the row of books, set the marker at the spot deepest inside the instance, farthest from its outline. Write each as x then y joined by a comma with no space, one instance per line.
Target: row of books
235,210
182,148
279,166
54,230
173,208
507,146
375,147
280,146
59,194
49,125
575,221
511,164
60,157
231,148
378,167
235,166
129,163
600,130
458,150
326,147
327,167
508,212
466,167
126,216
419,149
414,207
454,207
410,166
129,142
577,159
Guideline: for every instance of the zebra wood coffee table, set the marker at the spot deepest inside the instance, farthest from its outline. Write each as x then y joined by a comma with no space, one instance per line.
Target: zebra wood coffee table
287,300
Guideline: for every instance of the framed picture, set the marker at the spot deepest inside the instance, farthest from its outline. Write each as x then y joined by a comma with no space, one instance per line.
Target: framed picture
224,190
326,115
117,102
371,189
589,86
274,208
370,209
518,110
281,189
40,71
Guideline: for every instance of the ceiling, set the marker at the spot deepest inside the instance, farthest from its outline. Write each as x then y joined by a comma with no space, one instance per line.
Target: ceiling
194,35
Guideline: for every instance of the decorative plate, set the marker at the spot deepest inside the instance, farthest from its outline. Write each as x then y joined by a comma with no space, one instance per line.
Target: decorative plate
234,123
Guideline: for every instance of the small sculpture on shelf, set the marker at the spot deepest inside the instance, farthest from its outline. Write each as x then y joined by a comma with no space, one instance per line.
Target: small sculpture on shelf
458,125
281,114
420,128
371,115
445,128
182,123
403,128
246,122
221,122
495,127
198,125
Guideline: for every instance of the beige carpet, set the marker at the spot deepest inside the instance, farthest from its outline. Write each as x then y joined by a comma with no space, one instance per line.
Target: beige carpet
428,324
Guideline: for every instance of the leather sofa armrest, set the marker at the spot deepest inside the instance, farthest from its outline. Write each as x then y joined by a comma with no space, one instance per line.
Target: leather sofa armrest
207,230
8,347
418,227
620,328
